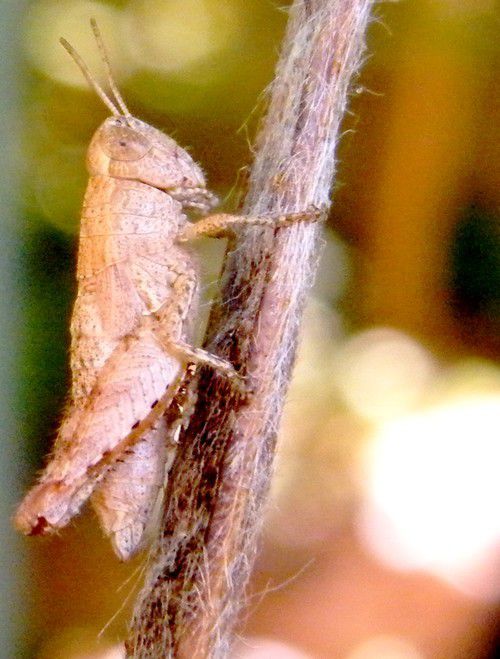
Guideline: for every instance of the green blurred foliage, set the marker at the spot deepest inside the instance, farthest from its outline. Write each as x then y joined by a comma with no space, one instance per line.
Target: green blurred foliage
47,289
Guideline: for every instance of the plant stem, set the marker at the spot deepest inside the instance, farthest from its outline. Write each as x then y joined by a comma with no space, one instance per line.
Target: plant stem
220,479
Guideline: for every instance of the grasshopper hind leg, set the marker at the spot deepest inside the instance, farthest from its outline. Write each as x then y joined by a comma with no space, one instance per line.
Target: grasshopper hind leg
126,500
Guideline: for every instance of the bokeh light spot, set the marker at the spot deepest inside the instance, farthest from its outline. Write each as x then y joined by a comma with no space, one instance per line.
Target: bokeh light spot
385,647
382,372
168,36
432,493
263,648
48,20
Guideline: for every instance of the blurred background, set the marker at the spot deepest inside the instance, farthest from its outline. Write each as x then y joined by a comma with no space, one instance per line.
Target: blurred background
382,540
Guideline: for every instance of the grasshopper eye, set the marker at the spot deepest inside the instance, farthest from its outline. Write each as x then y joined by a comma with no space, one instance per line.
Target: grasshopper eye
124,143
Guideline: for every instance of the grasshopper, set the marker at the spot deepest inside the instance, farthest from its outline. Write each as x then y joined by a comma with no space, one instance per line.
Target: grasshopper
131,337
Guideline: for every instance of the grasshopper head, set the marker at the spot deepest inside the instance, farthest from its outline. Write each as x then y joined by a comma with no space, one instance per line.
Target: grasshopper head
126,147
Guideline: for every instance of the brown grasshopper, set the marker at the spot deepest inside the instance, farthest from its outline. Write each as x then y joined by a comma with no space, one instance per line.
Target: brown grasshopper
131,324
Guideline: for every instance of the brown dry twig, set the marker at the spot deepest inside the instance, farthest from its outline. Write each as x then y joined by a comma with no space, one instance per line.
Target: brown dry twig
220,479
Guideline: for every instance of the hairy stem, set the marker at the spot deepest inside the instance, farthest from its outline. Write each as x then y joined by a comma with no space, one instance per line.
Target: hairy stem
220,479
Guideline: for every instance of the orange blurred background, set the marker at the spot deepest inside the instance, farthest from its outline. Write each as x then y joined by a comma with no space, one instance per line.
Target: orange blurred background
382,538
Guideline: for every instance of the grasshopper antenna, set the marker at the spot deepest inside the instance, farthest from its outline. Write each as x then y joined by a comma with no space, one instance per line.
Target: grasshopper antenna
107,66
89,77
